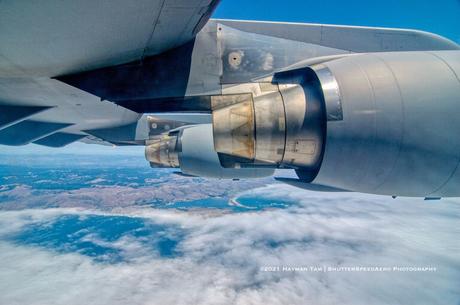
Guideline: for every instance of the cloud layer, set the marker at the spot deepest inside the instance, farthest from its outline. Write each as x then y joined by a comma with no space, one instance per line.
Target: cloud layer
226,257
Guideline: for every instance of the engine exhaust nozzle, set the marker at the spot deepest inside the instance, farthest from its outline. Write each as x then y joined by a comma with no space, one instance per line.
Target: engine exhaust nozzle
162,152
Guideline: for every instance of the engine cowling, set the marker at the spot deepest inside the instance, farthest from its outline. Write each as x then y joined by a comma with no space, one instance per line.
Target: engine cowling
382,123
191,149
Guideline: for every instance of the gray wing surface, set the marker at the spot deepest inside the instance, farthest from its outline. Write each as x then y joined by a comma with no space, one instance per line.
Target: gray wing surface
42,39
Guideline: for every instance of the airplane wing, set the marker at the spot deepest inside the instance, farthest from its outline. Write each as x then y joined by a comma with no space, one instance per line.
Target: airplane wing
43,39
87,70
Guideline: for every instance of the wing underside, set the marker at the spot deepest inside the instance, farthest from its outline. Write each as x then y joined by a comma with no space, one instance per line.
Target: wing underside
44,39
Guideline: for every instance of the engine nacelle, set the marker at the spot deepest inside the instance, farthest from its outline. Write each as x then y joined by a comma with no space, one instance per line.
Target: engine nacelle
191,149
381,123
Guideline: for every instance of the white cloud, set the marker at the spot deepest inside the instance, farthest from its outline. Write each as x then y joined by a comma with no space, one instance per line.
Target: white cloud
223,254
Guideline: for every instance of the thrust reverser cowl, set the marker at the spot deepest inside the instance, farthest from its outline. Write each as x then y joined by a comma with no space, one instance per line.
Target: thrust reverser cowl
381,123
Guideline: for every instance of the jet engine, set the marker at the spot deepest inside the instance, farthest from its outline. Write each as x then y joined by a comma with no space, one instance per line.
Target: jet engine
191,149
381,123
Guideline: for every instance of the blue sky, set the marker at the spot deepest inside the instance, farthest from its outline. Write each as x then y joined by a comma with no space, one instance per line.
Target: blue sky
441,17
